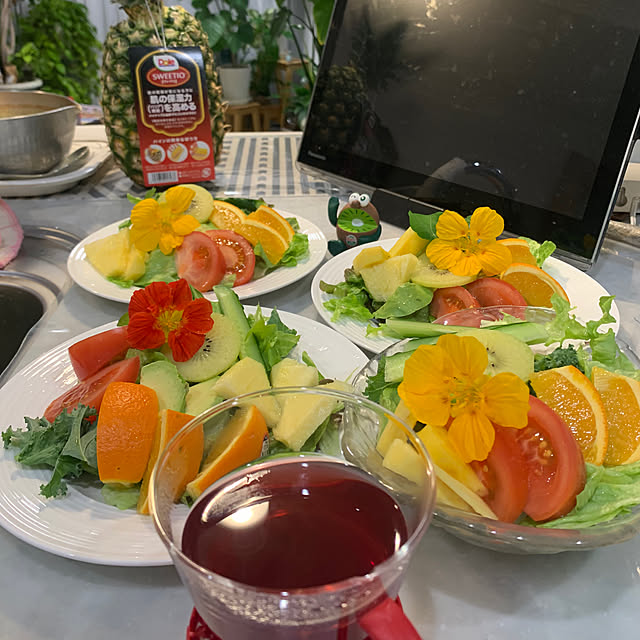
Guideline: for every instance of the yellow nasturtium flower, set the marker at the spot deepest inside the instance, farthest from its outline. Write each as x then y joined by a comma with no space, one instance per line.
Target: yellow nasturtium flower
469,249
162,224
445,384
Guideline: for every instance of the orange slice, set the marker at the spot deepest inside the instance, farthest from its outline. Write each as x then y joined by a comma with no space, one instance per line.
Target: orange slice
227,216
535,285
519,249
239,442
273,219
574,398
168,424
273,243
621,398
125,431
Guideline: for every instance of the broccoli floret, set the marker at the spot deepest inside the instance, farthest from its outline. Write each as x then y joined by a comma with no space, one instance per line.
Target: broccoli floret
560,357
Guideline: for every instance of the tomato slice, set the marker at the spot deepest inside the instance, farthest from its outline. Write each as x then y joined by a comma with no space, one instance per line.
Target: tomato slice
90,392
450,299
490,292
90,355
239,257
554,463
199,261
504,475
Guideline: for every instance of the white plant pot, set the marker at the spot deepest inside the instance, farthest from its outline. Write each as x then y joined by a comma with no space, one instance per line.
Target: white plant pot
235,84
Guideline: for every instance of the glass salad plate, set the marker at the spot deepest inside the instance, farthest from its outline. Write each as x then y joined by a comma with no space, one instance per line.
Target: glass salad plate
583,291
81,525
84,275
502,536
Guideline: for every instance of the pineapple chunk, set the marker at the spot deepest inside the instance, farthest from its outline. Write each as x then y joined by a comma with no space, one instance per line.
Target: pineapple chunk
393,430
245,376
136,264
302,415
471,498
369,257
442,452
291,373
110,255
408,242
383,279
449,498
403,459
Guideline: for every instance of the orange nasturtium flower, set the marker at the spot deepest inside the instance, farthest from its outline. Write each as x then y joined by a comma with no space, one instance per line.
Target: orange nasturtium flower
445,384
167,313
162,224
468,249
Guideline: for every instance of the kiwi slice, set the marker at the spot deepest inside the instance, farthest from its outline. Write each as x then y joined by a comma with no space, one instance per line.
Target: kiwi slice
219,351
505,352
202,204
356,221
428,275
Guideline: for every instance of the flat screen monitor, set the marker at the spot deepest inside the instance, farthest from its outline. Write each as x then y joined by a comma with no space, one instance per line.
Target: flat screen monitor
527,106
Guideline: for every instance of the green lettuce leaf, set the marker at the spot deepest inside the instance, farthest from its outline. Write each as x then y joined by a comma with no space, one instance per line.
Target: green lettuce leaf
424,224
160,268
351,298
405,300
275,339
540,251
120,495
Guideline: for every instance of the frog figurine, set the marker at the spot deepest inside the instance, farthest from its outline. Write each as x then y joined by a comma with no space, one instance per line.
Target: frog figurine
356,223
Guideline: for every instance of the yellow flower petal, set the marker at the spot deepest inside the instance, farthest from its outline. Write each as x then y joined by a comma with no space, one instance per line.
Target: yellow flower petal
451,226
184,225
485,224
467,354
506,400
168,242
472,435
179,198
428,365
493,257
144,238
431,407
145,212
443,253
467,265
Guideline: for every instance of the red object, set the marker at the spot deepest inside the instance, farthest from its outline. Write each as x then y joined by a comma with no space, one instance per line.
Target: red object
166,312
198,629
504,474
91,391
239,257
555,466
450,299
490,292
342,526
90,355
199,261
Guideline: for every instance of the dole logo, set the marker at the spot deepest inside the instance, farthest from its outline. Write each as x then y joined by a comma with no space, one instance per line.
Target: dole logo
165,62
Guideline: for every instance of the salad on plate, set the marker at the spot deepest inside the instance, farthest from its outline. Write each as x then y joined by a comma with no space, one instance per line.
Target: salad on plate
173,355
184,232
442,263
530,419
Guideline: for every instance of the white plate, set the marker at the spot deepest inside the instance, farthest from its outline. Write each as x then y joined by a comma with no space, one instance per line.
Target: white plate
98,154
88,278
583,291
79,525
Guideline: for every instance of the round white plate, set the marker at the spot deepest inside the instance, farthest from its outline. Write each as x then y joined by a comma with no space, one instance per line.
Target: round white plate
79,525
99,153
88,278
583,291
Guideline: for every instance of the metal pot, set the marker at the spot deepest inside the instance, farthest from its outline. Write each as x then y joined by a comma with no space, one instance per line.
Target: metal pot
36,130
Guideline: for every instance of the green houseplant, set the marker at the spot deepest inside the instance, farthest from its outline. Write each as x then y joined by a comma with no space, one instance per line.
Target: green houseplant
57,43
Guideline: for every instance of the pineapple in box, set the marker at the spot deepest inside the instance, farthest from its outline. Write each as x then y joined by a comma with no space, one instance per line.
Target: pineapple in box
181,29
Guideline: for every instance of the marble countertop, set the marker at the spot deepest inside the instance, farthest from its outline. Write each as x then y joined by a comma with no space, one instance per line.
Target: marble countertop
453,590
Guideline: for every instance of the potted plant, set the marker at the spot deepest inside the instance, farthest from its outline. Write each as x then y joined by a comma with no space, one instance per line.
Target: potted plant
56,42
231,36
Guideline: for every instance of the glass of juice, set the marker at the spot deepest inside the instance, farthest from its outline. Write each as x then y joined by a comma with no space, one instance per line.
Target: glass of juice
306,545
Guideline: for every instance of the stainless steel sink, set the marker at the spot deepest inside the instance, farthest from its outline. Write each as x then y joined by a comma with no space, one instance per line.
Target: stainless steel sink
31,287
